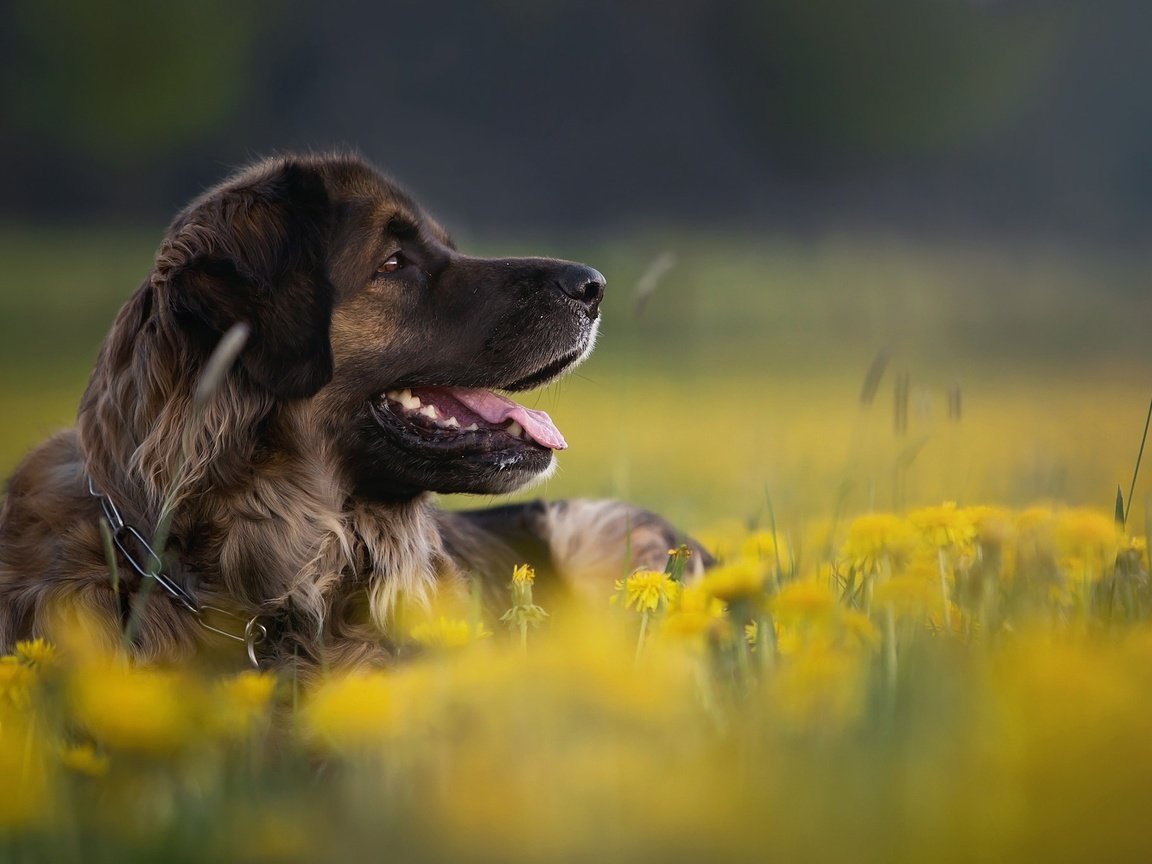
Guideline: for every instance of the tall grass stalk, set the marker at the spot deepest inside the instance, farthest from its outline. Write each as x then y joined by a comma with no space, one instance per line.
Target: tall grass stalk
220,361
1139,457
942,565
224,355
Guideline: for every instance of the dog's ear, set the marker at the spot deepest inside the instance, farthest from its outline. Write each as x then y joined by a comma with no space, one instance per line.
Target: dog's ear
255,252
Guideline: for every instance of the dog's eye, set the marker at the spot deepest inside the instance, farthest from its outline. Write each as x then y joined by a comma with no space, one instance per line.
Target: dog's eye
391,264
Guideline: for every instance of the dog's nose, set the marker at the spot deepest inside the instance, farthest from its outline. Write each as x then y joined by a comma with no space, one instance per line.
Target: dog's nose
582,284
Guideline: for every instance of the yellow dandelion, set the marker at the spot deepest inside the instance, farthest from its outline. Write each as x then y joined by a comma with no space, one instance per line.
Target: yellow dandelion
804,601
137,710
16,682
647,590
875,538
444,632
241,703
908,595
523,574
84,759
767,547
350,711
819,687
994,525
693,613
36,654
858,629
1034,530
1085,531
945,526
741,579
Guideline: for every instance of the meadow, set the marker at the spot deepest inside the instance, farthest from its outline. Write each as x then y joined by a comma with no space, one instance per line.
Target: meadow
927,639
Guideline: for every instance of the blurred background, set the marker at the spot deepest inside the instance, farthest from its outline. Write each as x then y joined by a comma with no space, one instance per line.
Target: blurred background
783,194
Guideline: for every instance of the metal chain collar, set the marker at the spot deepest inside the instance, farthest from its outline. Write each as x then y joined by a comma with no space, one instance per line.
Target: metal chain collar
254,632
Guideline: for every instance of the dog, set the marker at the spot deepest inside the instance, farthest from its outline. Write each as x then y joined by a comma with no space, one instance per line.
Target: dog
293,493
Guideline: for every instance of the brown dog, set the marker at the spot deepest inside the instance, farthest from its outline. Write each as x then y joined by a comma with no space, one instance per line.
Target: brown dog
296,494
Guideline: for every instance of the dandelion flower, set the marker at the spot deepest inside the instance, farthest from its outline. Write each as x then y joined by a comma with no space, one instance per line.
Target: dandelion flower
16,682
138,710
647,590
765,546
804,600
741,579
350,711
945,526
241,702
35,653
84,759
819,687
693,613
447,632
908,596
858,629
994,525
1084,531
877,537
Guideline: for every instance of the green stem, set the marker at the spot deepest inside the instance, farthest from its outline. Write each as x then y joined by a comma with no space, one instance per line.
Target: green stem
942,561
643,633
890,647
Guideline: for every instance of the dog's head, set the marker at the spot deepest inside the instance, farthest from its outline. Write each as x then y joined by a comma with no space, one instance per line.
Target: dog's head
359,302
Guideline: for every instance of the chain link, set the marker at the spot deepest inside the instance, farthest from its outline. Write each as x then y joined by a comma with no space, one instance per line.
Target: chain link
254,632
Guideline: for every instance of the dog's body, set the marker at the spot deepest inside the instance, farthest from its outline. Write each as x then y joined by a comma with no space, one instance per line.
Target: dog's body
298,490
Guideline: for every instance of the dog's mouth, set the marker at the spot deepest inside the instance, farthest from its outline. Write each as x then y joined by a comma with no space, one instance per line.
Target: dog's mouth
457,418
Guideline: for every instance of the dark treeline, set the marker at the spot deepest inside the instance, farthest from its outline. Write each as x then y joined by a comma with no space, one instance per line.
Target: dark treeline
562,114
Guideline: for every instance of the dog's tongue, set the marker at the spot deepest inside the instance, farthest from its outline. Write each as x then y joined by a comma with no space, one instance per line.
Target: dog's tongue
497,409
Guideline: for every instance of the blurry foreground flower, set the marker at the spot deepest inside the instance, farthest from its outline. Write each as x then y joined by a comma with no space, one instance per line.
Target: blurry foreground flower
804,600
83,759
875,539
16,682
945,526
444,632
136,710
694,612
914,595
36,654
765,546
1088,541
742,579
819,687
350,711
241,704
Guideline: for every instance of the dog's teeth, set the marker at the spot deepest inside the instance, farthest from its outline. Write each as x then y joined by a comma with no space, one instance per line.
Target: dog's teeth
515,429
451,423
471,428
410,402
429,411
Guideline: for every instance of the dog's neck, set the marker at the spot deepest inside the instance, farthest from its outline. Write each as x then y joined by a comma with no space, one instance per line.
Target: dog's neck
257,514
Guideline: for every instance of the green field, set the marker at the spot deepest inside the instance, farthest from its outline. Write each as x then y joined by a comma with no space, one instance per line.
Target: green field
737,381
870,674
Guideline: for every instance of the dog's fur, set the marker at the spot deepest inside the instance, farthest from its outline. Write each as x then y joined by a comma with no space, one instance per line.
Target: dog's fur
293,495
